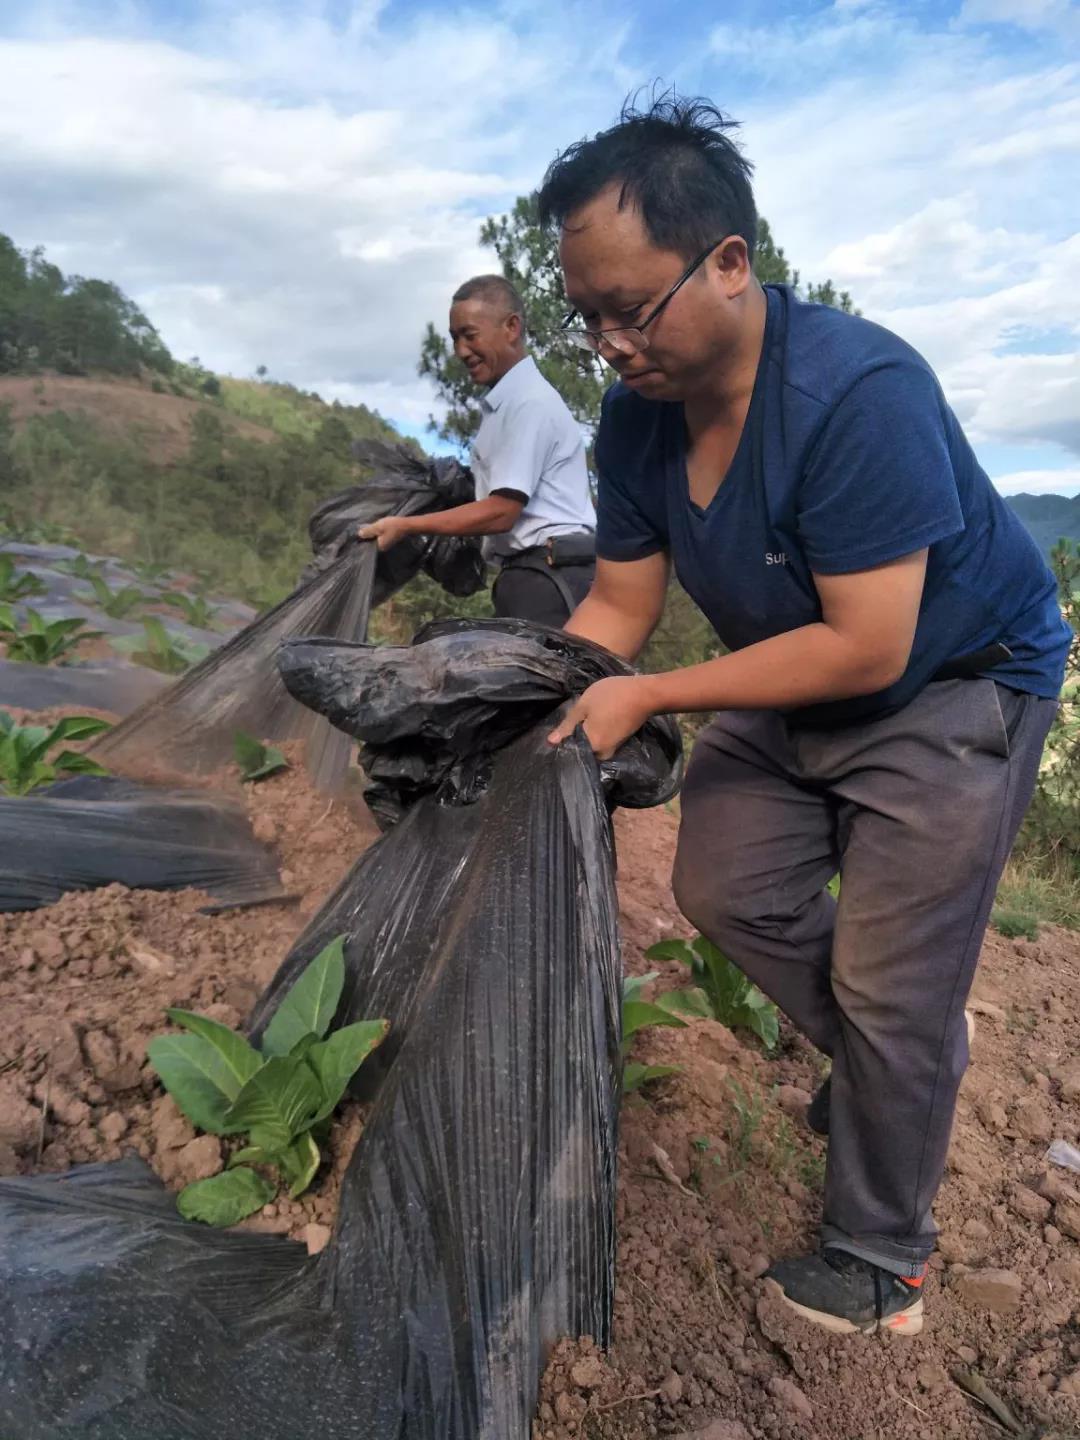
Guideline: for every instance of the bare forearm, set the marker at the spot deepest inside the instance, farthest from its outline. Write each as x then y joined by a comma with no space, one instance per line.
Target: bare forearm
621,631
802,667
478,517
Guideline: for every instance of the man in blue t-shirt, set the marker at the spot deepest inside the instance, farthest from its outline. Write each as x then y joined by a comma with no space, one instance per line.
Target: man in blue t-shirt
895,650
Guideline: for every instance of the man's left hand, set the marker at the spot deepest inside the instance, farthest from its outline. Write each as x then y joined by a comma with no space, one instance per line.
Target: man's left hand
387,531
610,711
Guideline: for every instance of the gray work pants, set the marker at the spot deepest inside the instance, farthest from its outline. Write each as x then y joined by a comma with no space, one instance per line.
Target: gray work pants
918,812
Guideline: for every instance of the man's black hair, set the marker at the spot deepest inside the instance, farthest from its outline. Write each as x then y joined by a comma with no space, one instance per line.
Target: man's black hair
675,162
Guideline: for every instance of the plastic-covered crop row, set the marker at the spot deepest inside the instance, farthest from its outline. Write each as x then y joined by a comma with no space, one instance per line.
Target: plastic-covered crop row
190,727
476,1217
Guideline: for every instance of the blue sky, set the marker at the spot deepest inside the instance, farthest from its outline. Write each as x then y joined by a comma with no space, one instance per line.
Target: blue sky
300,185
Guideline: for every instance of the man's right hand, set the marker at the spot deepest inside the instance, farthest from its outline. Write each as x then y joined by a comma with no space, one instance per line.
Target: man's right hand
387,531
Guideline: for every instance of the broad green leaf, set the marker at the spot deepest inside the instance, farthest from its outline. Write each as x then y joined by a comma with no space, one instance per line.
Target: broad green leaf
225,1199
765,1023
299,1164
336,1061
304,1044
309,1006
633,985
250,1155
278,1102
76,764
249,752
639,1013
77,727
190,1069
670,950
636,1075
237,1060
686,1002
275,762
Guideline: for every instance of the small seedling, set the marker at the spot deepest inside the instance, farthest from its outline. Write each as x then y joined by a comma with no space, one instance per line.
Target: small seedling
256,760
638,1014
749,1112
148,571
161,649
18,586
116,603
196,610
42,642
82,567
720,991
281,1097
24,752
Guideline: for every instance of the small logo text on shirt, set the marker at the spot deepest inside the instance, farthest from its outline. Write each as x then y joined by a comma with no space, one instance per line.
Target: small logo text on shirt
776,557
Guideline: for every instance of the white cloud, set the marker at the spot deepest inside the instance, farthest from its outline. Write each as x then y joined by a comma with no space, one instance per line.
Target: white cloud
1040,482
295,194
280,188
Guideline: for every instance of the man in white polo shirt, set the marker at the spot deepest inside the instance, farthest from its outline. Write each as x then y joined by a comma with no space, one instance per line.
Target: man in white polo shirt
528,460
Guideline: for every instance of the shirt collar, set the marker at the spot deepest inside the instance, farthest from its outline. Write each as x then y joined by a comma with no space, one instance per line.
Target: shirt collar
516,376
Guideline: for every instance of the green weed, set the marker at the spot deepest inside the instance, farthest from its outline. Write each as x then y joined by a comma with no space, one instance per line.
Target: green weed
195,609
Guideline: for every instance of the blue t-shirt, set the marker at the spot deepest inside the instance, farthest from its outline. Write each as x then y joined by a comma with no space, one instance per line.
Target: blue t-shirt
849,457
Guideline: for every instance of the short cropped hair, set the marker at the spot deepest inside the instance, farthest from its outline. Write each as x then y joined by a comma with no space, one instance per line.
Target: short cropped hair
496,290
674,161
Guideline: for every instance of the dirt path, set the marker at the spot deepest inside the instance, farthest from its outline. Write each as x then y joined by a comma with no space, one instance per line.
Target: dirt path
718,1173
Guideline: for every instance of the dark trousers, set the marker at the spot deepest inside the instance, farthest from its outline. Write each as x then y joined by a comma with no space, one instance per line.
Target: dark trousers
919,812
532,593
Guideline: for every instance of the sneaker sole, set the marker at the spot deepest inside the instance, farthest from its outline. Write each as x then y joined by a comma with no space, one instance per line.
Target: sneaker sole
907,1322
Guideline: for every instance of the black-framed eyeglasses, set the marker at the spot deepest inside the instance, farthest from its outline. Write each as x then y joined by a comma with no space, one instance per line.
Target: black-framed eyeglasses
630,339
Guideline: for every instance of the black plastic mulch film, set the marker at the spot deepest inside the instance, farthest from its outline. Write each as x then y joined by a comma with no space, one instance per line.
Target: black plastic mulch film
476,1216
190,726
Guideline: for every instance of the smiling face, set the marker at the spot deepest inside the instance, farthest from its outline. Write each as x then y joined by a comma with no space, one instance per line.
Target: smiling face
615,275
487,340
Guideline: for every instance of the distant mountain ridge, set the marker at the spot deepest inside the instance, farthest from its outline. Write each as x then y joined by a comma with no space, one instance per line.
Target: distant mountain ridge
1049,518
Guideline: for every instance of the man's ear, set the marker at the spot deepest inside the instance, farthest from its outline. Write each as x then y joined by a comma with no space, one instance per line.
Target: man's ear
515,328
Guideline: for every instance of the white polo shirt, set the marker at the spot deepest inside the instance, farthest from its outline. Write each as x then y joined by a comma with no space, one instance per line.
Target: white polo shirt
529,442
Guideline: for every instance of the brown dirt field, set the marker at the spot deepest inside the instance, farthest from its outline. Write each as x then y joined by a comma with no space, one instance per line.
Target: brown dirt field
718,1174
118,407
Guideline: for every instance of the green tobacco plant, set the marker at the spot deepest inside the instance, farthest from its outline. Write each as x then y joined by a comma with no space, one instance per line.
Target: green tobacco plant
41,642
256,760
720,990
25,762
14,586
148,571
161,649
196,610
82,567
638,1014
116,603
280,1097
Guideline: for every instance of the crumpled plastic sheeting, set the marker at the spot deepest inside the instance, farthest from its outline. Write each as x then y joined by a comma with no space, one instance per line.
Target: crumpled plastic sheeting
113,685
191,726
82,833
476,1217
432,713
